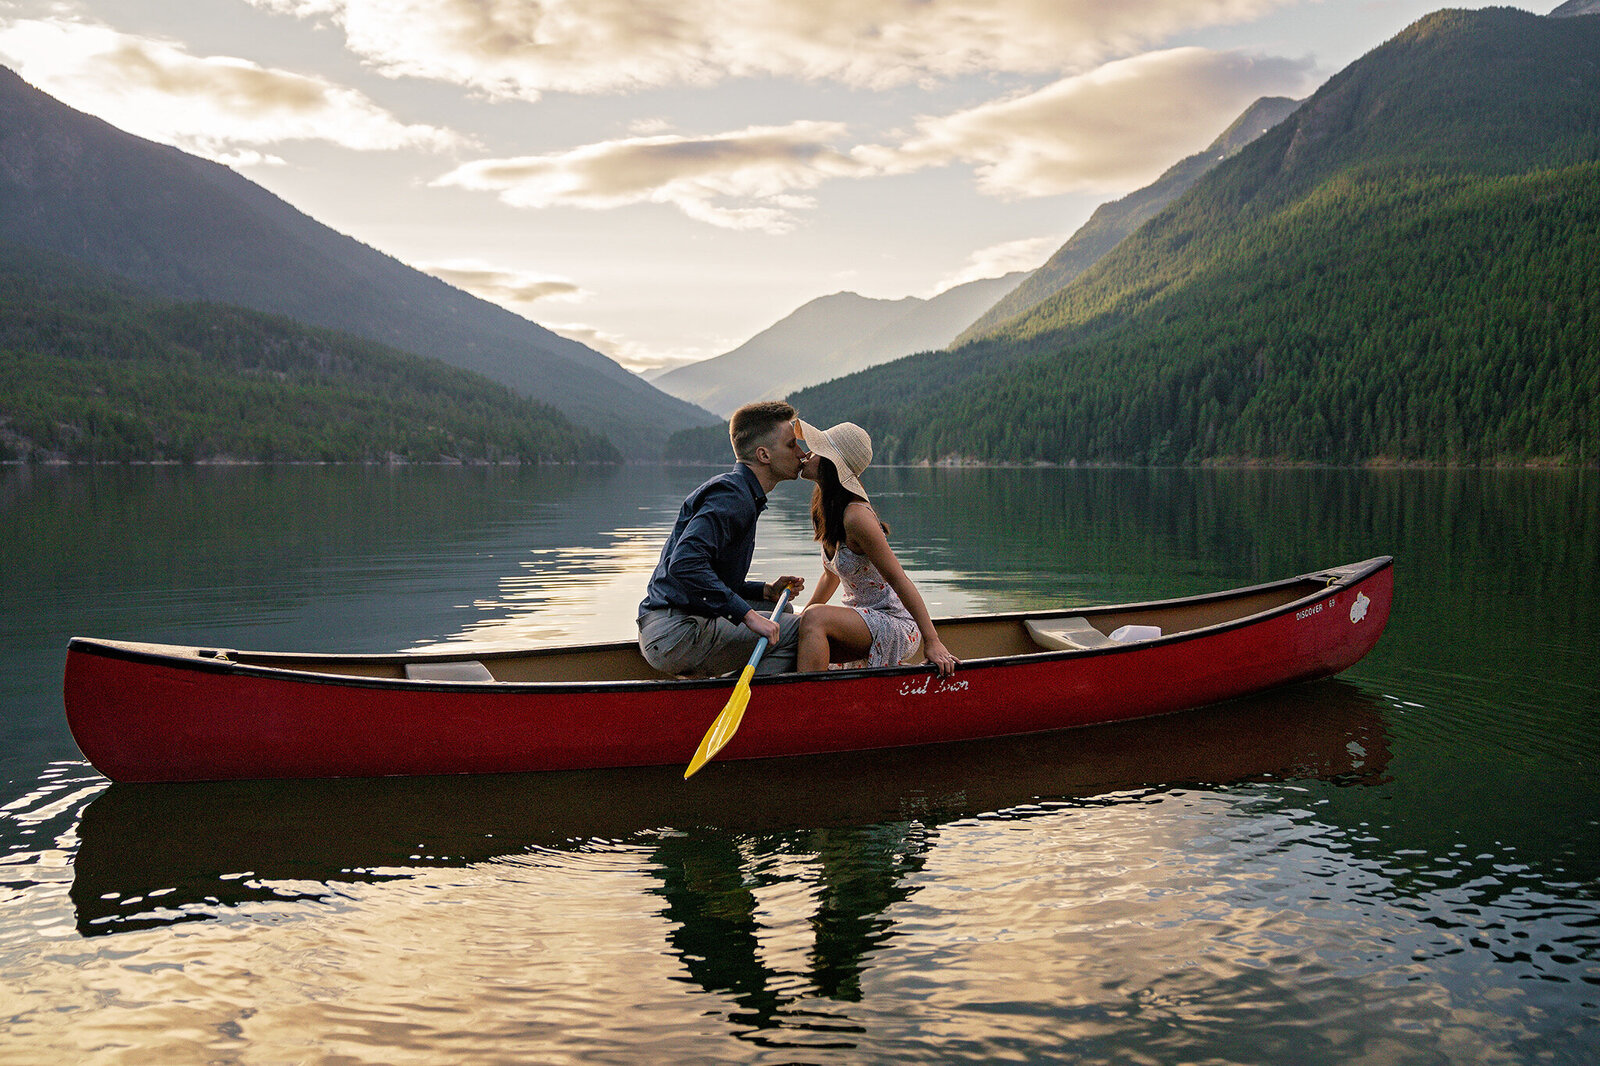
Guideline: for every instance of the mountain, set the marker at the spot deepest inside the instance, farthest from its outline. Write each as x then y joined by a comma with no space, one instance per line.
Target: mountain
190,229
94,368
828,337
1403,270
1113,221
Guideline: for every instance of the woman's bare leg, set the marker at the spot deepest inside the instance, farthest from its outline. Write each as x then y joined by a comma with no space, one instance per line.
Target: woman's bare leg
831,634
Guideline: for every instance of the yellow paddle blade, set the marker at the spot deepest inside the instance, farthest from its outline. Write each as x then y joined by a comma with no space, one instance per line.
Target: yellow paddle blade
725,726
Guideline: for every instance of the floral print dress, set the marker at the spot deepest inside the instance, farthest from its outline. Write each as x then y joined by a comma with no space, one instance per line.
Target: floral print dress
894,631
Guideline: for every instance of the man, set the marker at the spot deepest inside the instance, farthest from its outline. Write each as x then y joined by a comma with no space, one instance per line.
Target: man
697,618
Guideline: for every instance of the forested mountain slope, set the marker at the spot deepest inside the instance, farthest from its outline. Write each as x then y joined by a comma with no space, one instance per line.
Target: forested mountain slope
94,368
193,230
1112,222
1407,269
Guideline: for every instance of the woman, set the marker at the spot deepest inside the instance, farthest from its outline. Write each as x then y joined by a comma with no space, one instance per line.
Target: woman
883,618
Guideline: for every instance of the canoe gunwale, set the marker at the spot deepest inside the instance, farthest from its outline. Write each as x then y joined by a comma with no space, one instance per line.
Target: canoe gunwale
220,661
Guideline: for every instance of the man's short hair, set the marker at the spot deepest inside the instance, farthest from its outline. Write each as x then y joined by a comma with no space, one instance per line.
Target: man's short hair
753,425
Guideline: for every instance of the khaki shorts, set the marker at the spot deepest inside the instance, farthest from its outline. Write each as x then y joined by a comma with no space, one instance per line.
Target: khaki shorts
692,645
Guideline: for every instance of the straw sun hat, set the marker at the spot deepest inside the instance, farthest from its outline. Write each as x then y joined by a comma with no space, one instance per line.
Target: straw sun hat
847,445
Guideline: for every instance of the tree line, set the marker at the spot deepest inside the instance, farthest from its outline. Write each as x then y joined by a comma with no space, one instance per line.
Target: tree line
94,371
1449,321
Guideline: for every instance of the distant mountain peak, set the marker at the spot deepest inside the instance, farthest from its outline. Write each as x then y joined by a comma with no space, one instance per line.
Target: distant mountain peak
1257,119
828,337
1576,7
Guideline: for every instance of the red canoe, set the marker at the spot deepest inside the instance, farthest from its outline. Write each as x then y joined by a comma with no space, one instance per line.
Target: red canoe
143,712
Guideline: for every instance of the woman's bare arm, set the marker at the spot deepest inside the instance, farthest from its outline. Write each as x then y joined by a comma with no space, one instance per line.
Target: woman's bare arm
826,584
864,533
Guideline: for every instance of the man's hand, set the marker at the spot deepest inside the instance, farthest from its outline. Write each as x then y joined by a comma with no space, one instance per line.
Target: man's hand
771,589
761,625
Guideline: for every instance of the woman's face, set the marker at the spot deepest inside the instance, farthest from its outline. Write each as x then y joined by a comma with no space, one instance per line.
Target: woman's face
808,466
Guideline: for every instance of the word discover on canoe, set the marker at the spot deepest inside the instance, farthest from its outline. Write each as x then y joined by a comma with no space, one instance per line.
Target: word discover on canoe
1358,609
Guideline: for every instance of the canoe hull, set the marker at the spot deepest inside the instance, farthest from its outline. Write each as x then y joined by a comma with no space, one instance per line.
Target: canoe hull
140,715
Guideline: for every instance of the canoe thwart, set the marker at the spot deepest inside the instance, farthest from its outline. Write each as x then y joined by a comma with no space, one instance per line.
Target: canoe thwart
464,670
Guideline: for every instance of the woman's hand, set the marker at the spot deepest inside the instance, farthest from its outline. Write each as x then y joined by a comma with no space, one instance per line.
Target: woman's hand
940,656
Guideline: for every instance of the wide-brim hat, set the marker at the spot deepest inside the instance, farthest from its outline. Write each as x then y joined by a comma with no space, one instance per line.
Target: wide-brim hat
847,446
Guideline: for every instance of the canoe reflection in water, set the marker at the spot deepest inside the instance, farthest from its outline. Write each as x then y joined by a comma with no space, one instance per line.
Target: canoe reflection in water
154,855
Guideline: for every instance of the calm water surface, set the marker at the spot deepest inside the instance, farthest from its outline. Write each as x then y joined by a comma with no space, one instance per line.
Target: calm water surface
1400,865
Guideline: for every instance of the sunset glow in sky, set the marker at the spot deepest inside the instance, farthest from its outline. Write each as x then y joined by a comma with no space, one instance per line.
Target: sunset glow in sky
661,179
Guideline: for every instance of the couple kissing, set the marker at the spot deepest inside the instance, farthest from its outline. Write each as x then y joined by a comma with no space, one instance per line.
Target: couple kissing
701,614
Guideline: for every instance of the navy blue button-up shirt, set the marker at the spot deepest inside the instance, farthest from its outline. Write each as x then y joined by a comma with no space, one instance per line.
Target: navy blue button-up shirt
706,561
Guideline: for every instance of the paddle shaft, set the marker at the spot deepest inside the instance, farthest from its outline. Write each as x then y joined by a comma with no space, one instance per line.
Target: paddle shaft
761,645
727,722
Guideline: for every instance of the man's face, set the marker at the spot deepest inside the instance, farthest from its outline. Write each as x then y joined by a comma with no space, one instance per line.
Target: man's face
786,454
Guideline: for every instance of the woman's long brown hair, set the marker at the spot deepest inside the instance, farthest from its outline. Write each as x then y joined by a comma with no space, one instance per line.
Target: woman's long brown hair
828,501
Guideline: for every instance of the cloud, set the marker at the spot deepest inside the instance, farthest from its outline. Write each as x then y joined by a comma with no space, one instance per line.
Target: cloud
751,179
521,48
1114,128
999,260
640,358
216,106
518,290
607,344
505,287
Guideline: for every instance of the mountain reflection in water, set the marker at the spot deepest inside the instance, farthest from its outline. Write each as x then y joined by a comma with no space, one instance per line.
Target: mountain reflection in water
153,855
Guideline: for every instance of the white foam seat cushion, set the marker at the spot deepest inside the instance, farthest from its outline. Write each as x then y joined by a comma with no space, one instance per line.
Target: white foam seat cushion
1065,634
465,670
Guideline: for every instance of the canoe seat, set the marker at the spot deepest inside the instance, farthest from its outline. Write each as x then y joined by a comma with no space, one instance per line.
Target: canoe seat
1065,634
464,670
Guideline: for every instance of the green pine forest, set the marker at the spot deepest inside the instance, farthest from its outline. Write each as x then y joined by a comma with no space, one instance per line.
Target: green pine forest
1407,270
92,369
1442,320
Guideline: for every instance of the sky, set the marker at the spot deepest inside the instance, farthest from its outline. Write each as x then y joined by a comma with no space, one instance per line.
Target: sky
663,179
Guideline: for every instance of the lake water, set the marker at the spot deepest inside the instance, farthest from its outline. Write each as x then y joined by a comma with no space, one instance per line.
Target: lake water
1400,865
